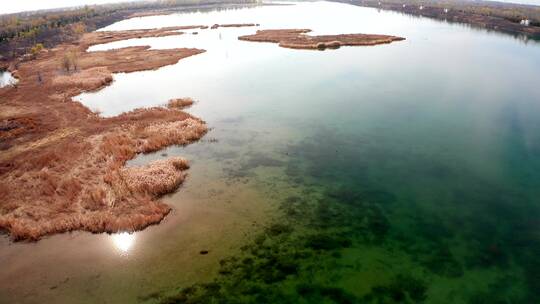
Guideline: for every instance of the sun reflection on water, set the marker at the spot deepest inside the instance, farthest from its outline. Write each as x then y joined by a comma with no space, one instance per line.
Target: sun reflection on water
123,241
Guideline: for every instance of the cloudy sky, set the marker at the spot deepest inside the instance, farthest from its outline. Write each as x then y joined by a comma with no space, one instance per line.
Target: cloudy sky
13,6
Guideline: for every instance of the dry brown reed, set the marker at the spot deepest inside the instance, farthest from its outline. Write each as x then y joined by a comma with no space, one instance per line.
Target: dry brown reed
157,178
94,191
88,80
180,103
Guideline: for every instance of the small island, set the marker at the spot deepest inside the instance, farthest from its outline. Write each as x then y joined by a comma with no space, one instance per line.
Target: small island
297,39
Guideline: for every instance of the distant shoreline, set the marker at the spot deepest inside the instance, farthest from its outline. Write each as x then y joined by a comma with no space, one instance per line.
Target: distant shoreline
514,19
516,2
23,33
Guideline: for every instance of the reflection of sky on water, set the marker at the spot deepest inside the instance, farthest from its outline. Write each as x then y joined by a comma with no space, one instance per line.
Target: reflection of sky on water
123,241
6,79
321,17
241,78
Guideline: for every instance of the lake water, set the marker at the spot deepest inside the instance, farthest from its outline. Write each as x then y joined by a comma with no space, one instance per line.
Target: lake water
6,79
399,173
530,2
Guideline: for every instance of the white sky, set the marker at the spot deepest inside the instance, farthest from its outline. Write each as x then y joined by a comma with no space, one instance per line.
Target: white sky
13,6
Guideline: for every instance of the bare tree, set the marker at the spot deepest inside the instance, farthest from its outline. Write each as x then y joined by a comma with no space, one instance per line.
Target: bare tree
74,60
66,62
70,61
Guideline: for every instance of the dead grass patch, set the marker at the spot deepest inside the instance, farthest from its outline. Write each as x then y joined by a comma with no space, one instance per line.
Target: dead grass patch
157,178
180,103
87,80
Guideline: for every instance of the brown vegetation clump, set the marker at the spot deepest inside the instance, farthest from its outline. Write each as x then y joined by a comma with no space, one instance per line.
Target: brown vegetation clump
297,39
13,126
89,79
157,178
36,49
180,103
70,61
159,135
62,167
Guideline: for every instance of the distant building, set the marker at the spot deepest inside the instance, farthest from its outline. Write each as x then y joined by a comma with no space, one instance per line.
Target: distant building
421,7
525,22
446,11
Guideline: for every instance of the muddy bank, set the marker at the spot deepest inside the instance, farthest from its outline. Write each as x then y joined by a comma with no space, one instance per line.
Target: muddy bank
297,39
62,165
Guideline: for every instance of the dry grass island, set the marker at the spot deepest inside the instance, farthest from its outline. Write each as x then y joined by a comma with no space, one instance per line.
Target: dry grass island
297,39
63,167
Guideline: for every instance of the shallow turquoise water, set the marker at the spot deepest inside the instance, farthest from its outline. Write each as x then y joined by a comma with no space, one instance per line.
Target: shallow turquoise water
404,173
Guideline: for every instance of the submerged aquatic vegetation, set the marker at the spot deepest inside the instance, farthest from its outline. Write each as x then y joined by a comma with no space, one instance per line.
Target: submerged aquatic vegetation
345,240
402,289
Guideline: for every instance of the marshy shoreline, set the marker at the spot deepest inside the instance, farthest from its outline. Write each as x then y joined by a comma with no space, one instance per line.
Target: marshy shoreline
62,165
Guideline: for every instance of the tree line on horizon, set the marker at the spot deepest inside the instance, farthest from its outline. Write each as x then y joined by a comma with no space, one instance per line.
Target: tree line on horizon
20,33
513,12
